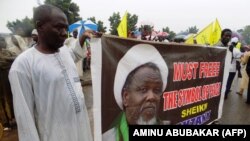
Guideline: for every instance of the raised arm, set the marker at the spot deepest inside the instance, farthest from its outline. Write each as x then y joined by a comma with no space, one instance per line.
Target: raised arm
80,50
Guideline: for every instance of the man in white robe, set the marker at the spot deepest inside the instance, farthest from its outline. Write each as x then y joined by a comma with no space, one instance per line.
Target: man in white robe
69,42
48,100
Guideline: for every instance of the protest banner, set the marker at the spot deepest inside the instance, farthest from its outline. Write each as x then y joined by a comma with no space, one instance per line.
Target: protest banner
194,93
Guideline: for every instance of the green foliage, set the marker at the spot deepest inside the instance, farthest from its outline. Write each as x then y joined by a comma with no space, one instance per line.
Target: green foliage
70,9
22,27
146,28
115,20
171,33
246,34
193,29
101,27
132,21
92,19
25,26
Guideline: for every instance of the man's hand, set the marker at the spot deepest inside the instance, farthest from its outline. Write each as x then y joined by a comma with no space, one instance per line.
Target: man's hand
86,35
98,34
89,34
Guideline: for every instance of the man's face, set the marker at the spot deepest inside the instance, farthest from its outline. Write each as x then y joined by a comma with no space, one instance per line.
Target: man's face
142,97
55,30
226,37
75,33
144,34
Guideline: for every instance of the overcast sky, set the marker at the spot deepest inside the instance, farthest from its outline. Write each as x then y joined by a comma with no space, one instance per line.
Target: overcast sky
178,15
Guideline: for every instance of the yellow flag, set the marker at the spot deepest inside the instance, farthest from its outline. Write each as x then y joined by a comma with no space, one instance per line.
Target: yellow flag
216,33
209,35
238,45
190,40
122,28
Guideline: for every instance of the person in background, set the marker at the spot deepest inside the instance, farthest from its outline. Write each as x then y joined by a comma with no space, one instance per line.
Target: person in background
226,36
245,60
70,42
244,80
87,59
34,36
131,34
242,76
236,55
7,57
146,32
48,100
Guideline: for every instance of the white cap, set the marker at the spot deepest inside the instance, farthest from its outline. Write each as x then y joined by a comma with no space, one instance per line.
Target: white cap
34,32
135,57
234,40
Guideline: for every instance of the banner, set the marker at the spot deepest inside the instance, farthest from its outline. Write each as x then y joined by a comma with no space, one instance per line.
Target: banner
190,79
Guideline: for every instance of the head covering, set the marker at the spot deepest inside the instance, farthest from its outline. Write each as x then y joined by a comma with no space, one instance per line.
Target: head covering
135,57
234,40
34,32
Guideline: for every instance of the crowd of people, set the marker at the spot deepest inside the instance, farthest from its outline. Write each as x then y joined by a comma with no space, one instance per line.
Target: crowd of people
239,59
43,79
239,64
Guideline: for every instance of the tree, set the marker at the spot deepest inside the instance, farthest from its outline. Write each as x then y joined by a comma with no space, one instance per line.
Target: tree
115,20
146,32
171,33
146,28
92,19
70,9
239,31
246,34
101,27
25,26
22,27
132,21
192,29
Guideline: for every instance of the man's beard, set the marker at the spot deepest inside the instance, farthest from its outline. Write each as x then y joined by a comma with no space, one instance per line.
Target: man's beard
141,121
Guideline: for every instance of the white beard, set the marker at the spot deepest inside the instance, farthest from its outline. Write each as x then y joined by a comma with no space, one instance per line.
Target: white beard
141,121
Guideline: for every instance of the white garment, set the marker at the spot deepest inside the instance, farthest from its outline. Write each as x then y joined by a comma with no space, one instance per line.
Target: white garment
109,135
48,100
166,41
236,56
70,42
